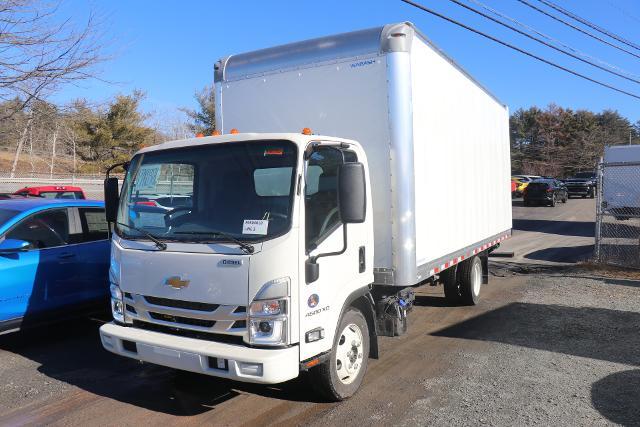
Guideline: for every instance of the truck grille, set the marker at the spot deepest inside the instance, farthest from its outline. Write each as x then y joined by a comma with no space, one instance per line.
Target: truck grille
174,303
196,317
183,320
227,339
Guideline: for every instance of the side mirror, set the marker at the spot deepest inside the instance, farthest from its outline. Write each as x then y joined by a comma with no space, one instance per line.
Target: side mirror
312,271
111,197
13,245
352,193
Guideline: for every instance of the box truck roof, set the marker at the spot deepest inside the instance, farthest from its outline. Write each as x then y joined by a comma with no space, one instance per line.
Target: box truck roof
622,153
388,38
300,138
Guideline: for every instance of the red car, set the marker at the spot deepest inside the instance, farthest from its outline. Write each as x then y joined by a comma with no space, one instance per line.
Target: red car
53,192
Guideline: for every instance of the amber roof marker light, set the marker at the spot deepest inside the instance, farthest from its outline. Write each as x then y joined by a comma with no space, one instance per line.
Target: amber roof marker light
307,131
234,131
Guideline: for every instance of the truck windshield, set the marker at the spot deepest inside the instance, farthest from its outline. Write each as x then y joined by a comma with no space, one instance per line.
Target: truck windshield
238,191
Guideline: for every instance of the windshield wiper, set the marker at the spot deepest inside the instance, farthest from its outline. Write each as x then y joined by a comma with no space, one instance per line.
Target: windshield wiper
159,244
246,247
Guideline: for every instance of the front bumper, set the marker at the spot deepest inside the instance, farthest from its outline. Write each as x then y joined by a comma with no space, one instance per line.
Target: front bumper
266,366
580,191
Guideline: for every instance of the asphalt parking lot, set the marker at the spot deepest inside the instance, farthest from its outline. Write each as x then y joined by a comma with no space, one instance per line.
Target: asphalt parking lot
554,341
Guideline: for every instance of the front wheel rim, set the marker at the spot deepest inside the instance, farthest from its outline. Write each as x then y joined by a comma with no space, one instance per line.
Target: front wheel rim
349,354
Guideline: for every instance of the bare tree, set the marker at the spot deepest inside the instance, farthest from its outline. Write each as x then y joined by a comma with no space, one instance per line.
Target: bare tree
38,54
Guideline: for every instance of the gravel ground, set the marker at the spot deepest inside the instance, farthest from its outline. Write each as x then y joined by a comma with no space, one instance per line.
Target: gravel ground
566,353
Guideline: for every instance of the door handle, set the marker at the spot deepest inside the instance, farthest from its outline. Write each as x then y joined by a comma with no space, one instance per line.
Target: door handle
66,255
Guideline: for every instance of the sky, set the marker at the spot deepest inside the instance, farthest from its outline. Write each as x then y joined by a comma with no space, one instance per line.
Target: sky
168,48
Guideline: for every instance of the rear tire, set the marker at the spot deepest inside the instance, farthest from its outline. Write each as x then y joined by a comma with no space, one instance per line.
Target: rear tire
452,293
469,277
340,377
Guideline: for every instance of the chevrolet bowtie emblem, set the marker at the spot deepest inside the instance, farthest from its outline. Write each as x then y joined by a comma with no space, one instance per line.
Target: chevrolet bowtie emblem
176,282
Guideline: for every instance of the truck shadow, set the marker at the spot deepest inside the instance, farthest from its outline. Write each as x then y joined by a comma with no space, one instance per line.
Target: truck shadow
72,353
568,254
596,333
562,228
616,397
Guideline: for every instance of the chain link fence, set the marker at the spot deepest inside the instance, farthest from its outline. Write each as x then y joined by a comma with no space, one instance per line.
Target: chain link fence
92,185
618,214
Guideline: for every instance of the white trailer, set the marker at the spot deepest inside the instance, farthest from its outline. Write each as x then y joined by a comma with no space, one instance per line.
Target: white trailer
305,247
620,181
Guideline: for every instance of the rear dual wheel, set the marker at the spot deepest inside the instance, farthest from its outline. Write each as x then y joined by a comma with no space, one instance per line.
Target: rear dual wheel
462,282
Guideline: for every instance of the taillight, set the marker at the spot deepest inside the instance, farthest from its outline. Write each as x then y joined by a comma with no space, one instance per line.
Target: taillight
148,203
549,190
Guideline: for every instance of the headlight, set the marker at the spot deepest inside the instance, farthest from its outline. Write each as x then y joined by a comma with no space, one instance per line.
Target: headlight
268,308
117,306
268,322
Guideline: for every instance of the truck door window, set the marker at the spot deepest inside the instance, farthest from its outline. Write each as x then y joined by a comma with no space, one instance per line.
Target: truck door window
321,195
43,230
94,224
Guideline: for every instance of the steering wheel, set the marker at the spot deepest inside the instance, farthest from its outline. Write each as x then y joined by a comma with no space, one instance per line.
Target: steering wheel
327,220
167,215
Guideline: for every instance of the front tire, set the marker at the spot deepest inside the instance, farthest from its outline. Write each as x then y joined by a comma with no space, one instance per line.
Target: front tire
340,377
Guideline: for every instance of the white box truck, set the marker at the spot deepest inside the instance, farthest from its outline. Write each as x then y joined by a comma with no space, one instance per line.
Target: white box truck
621,181
265,251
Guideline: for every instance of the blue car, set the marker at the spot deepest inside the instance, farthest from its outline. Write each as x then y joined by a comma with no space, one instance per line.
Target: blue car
54,260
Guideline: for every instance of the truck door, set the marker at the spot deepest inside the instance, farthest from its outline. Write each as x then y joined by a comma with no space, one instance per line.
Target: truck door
340,274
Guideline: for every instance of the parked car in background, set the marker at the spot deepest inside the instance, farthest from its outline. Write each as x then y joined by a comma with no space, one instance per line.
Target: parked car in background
53,192
520,185
54,260
545,191
582,184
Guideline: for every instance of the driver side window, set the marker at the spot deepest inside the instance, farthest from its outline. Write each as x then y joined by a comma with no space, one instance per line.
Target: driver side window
321,195
43,230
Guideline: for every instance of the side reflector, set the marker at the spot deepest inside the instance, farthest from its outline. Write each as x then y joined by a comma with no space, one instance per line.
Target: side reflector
311,363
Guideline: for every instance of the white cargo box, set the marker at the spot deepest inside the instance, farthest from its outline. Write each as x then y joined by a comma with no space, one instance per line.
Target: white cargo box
437,142
621,180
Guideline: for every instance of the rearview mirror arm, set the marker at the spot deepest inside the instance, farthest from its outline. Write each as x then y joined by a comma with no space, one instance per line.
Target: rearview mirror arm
314,258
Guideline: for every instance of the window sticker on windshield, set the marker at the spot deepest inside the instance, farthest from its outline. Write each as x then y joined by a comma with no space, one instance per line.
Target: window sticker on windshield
147,177
255,226
147,219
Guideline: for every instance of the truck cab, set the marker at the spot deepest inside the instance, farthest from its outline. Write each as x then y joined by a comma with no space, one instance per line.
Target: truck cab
249,275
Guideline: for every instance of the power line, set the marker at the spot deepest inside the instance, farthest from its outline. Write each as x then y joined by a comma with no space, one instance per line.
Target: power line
551,39
586,61
568,24
590,24
553,64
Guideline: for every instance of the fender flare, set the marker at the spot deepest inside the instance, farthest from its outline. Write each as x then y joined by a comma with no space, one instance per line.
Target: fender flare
363,300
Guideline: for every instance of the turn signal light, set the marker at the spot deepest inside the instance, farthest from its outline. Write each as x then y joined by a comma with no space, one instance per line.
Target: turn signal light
234,131
307,131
